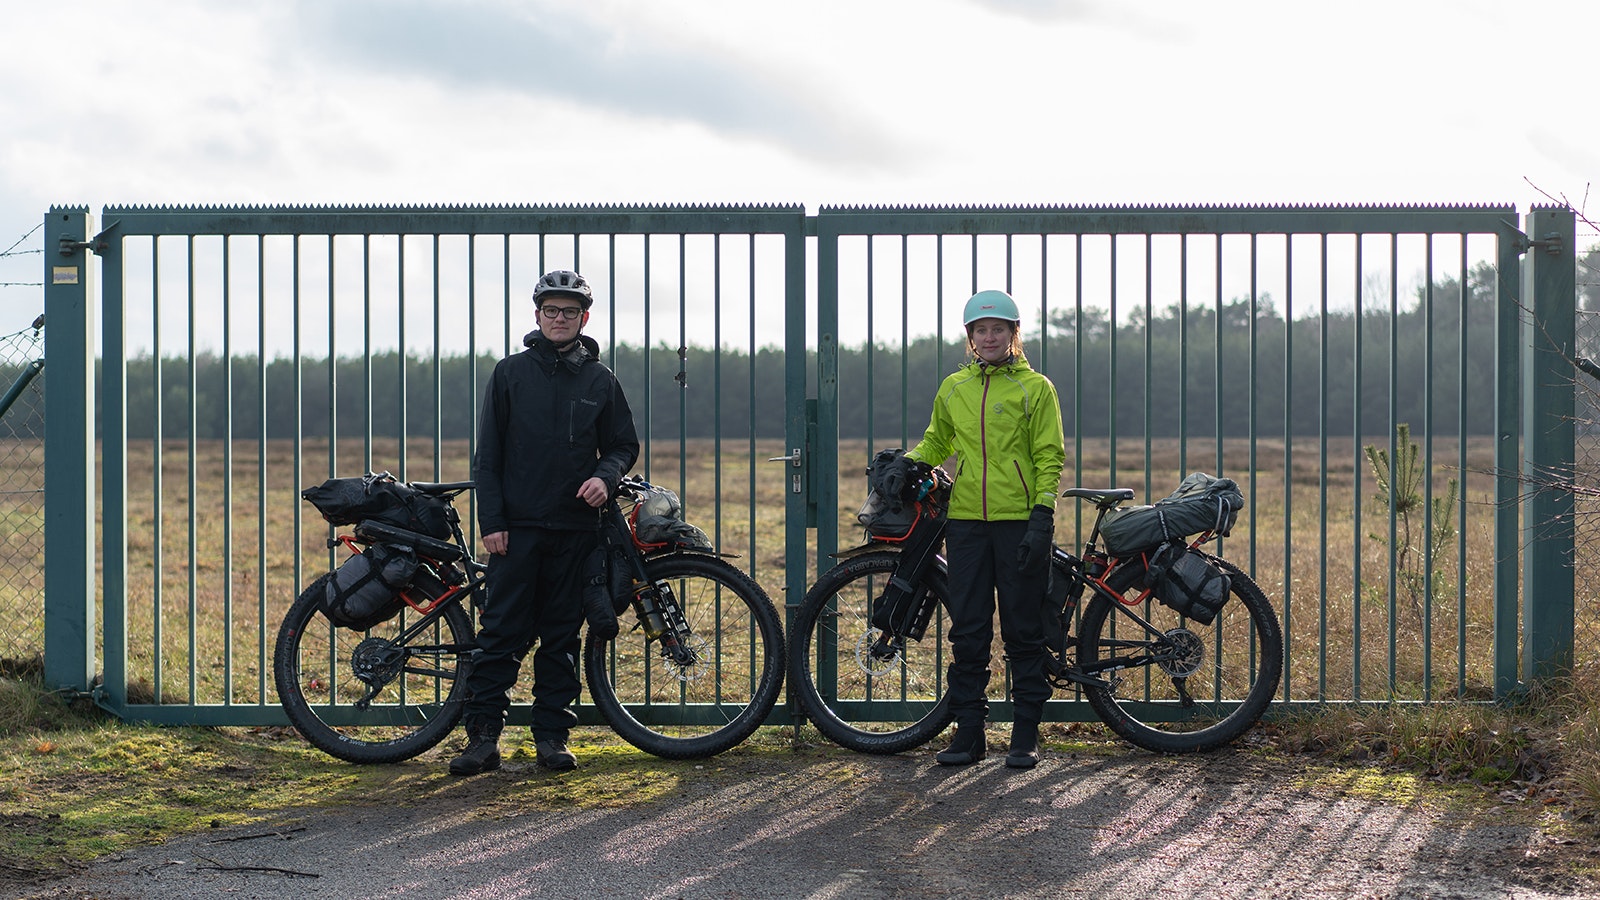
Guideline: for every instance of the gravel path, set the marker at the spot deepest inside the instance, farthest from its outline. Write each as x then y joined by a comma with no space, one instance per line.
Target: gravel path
821,824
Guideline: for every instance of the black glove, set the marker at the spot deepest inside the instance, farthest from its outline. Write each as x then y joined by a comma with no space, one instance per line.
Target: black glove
896,475
1034,551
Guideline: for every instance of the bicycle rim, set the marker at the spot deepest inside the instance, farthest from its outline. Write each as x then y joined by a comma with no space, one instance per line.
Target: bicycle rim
678,712
860,701
1233,665
314,666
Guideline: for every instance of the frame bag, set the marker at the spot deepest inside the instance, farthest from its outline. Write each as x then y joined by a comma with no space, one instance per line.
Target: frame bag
365,590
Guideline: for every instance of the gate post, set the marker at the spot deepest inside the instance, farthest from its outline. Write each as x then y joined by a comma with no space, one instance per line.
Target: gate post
1549,450
69,621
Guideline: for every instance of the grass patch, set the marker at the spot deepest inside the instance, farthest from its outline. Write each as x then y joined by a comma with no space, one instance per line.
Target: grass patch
1541,753
76,784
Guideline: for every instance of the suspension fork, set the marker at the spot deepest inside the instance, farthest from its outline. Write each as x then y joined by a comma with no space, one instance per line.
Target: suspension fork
658,610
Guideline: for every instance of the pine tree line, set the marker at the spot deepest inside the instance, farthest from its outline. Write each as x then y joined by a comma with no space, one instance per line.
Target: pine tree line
1240,368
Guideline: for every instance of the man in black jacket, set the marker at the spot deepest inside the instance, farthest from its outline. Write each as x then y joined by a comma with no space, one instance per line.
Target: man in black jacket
556,437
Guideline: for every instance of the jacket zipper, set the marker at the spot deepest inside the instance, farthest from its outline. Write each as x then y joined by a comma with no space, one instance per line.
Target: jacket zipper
983,442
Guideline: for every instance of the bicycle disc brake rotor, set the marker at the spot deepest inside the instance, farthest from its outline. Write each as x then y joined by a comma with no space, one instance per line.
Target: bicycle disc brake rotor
377,661
873,659
1184,654
699,650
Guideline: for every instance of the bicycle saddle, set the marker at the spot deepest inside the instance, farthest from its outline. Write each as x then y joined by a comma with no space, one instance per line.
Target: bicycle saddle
1100,496
433,488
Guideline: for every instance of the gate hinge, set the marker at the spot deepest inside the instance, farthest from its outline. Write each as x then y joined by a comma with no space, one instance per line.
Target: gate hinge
96,245
1550,243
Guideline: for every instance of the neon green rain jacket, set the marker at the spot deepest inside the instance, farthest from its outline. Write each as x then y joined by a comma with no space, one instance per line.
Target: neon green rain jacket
1003,423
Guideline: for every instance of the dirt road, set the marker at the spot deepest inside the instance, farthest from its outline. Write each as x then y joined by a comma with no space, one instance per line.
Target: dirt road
822,823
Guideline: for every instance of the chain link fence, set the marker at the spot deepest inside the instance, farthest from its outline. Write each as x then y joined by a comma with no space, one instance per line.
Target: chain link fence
22,496
1586,461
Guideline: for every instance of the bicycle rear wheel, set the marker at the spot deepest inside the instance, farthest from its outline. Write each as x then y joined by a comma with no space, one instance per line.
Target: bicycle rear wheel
867,703
323,672
685,711
1229,669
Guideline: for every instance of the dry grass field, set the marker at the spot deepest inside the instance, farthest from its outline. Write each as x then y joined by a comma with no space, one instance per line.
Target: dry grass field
234,543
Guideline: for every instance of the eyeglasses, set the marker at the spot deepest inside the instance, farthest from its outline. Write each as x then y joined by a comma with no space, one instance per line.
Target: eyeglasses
564,312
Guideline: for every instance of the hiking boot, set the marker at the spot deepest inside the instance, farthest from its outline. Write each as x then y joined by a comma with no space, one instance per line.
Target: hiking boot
483,747
966,748
554,755
1024,752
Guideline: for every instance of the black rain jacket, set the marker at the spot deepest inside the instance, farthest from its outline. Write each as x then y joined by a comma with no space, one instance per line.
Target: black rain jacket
550,421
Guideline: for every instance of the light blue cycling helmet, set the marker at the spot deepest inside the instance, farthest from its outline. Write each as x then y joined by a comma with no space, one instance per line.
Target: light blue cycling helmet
990,305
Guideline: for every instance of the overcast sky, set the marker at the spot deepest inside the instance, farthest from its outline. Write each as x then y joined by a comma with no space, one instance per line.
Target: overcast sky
860,102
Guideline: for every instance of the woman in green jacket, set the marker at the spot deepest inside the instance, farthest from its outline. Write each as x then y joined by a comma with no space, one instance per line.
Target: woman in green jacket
1001,421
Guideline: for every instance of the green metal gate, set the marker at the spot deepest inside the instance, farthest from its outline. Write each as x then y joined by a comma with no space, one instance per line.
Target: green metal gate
247,352
1303,351
1276,345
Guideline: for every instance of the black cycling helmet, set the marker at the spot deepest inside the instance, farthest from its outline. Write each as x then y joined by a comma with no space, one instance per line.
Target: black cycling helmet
563,282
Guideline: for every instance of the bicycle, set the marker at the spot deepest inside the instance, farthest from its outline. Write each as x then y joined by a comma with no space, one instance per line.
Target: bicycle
698,672
1160,681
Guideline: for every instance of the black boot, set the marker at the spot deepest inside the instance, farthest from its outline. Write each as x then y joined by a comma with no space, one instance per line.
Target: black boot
483,746
552,753
1024,752
966,748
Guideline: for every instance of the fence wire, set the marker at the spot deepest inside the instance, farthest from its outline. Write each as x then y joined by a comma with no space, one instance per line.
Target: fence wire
22,495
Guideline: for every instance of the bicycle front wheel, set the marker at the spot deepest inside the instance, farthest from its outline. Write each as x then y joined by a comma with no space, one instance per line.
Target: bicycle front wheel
1187,687
378,696
708,700
870,702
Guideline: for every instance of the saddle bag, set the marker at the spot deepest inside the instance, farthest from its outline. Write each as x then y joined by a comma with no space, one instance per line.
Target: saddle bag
380,497
1201,503
365,590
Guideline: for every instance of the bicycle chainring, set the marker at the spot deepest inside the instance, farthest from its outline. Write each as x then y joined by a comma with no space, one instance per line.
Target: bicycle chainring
1183,653
376,661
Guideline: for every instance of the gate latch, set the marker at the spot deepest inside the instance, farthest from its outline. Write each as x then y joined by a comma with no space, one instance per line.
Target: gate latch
795,459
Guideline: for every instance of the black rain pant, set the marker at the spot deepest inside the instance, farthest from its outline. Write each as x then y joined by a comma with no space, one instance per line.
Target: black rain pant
535,596
983,565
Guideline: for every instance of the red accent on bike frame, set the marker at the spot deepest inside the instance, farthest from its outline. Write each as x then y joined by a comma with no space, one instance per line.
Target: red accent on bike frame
1115,563
912,527
430,606
424,607
633,532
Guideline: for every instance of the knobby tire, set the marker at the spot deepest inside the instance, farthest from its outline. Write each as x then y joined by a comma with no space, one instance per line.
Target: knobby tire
833,621
1238,664
414,712
687,714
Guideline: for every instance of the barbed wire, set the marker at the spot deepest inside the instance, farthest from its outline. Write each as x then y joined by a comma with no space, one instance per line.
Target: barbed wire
13,251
